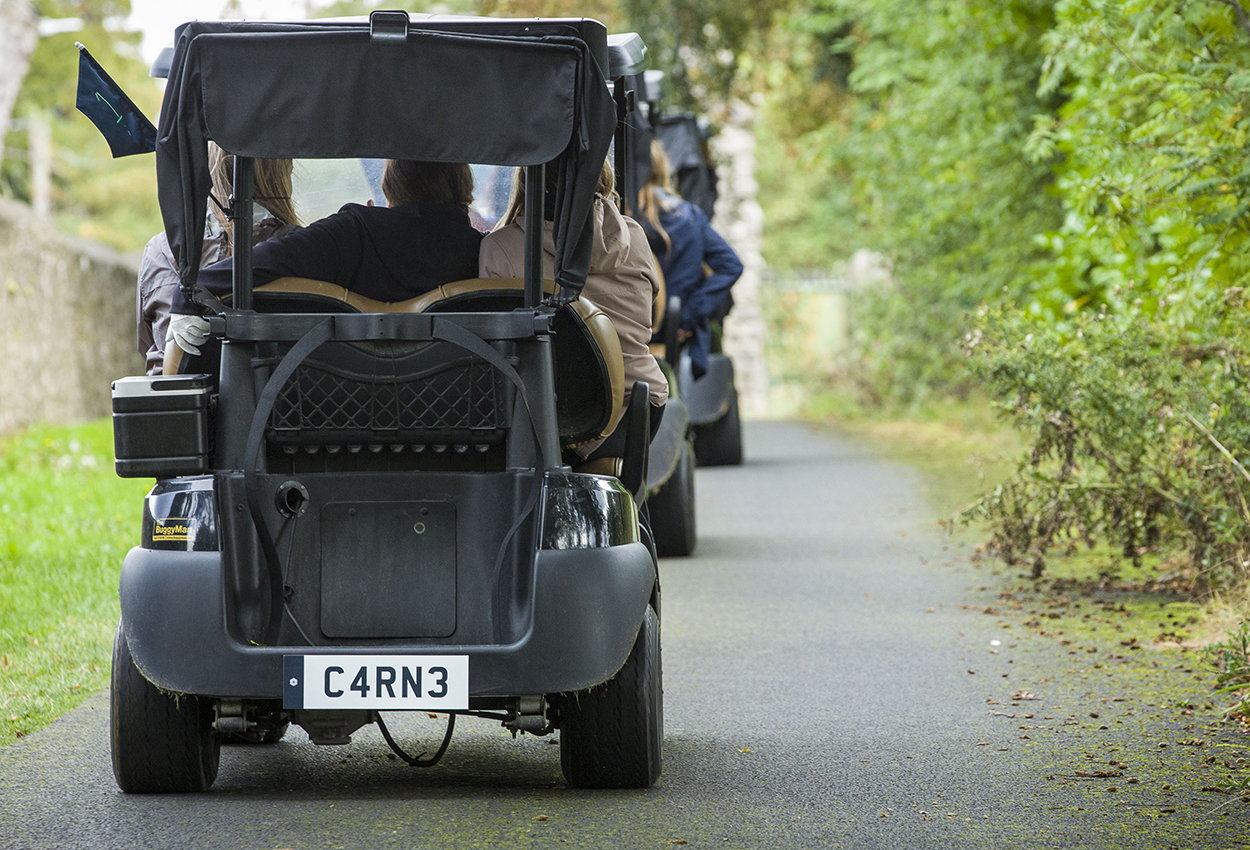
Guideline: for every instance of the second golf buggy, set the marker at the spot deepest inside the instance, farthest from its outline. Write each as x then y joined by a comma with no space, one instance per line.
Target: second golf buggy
362,507
710,401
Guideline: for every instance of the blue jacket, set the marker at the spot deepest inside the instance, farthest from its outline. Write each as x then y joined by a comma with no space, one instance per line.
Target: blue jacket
694,243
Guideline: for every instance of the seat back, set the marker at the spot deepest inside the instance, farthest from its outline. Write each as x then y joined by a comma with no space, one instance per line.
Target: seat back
589,368
387,396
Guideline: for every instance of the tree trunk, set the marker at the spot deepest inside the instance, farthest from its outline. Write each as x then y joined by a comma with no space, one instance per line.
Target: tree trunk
19,25
740,220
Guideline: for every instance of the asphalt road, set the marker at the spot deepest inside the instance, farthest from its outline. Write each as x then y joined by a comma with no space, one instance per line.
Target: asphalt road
812,699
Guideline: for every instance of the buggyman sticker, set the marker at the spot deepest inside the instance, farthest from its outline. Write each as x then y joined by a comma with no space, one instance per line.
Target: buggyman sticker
171,529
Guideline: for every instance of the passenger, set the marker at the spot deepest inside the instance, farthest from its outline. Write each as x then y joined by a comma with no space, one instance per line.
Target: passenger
158,273
683,239
622,282
422,240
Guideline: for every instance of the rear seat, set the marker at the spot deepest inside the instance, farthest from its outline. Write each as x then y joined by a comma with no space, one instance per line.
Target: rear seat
589,368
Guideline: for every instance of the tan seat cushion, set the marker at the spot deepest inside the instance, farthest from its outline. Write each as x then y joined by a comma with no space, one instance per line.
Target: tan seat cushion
602,466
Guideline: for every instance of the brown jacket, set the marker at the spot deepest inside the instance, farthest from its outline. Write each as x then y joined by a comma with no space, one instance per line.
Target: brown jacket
622,282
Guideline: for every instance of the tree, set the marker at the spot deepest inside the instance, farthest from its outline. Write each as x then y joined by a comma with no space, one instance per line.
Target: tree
20,23
93,196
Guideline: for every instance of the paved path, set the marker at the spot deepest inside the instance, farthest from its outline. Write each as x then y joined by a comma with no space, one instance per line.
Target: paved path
812,699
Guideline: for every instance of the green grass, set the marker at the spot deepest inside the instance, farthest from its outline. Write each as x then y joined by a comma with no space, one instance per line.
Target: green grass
66,522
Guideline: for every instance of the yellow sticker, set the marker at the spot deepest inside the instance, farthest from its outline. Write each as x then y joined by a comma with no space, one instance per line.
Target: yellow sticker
170,528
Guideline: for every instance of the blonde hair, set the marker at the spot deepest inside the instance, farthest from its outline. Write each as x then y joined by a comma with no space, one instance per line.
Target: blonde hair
606,188
273,187
651,203
411,181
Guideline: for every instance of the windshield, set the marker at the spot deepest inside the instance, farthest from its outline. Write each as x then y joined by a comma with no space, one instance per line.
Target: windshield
320,187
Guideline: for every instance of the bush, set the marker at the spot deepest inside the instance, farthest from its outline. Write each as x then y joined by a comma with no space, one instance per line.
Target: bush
1139,425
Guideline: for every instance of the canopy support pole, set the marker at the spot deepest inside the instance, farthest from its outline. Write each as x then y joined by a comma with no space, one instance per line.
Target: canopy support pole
241,223
535,204
621,150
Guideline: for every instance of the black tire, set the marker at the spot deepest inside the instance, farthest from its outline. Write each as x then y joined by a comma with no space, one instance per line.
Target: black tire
720,443
672,509
162,743
612,735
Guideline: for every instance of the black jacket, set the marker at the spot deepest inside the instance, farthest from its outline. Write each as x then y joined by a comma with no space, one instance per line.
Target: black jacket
384,253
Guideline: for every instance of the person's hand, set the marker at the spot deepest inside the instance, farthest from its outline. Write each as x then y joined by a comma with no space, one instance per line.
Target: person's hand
683,334
190,332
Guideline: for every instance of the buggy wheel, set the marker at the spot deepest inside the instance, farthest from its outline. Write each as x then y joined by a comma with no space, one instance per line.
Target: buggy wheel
672,509
611,735
161,742
720,443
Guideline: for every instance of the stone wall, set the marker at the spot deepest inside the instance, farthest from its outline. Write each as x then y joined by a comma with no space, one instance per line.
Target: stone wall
67,322
741,221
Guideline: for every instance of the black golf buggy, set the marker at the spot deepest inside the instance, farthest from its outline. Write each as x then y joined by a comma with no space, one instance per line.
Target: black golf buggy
711,400
362,507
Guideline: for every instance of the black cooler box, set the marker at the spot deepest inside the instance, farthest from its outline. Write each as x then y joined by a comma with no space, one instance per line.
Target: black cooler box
161,425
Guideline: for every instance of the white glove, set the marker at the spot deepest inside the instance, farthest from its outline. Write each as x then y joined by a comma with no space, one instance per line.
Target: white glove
190,332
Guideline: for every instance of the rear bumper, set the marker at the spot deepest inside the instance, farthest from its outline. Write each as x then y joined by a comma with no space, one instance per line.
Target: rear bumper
588,604
708,397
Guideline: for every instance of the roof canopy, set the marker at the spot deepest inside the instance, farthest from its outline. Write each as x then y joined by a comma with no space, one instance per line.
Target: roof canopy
463,90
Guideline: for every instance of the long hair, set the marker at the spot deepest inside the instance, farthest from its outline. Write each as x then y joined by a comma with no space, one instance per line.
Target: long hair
651,203
273,187
606,188
412,181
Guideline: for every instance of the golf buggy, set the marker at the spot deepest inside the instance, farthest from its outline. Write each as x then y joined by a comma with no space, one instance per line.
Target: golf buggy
362,507
711,399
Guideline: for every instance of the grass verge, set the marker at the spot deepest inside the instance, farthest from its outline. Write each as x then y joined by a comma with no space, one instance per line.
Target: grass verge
66,522
961,449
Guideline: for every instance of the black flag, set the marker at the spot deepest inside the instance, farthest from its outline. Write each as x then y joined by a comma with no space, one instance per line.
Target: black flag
125,128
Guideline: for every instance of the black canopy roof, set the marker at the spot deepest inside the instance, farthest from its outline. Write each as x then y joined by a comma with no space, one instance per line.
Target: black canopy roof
451,90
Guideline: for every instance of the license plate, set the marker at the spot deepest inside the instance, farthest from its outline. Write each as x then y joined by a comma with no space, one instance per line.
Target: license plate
378,682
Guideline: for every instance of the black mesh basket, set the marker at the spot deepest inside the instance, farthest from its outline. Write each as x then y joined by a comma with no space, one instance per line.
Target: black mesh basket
390,394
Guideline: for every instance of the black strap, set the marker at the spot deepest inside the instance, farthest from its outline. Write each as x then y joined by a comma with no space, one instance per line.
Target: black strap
201,296
458,336
318,334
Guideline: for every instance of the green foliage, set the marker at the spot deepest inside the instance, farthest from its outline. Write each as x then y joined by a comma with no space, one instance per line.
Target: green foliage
66,522
1138,426
810,215
705,46
1231,658
1127,365
1155,169
925,149
93,195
